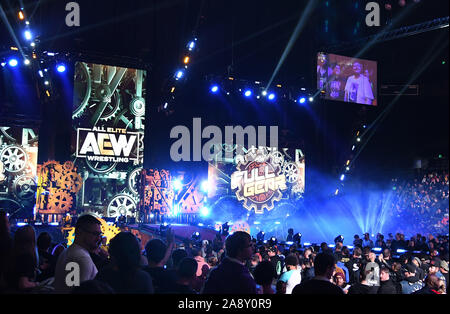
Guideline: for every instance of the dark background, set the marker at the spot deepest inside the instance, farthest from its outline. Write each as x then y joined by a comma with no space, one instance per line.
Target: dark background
246,39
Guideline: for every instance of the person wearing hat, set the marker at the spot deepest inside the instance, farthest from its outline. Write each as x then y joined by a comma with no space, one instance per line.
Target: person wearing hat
411,282
419,270
292,276
339,280
443,268
435,266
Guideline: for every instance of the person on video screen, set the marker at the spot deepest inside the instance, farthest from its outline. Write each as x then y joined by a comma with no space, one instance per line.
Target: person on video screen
336,84
322,71
357,88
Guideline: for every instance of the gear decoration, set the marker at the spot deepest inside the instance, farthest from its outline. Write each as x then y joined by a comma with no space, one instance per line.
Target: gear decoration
71,181
59,201
109,231
2,171
291,172
133,180
14,158
259,159
277,157
121,204
68,166
23,187
82,86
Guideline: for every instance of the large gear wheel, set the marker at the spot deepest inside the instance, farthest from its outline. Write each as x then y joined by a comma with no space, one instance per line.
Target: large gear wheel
101,167
24,187
14,158
291,172
121,204
71,181
137,106
133,180
82,88
59,201
277,157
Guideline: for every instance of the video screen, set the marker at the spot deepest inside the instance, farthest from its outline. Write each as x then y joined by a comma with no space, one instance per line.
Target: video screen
347,79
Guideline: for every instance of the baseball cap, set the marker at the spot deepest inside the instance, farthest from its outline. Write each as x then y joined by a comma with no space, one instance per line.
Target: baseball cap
410,268
444,265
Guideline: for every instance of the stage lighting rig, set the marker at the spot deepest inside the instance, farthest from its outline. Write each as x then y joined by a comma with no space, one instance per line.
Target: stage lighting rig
339,238
196,237
260,236
273,241
297,239
163,229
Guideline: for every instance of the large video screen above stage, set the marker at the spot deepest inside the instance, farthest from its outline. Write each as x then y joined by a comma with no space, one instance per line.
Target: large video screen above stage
259,178
347,79
108,137
18,160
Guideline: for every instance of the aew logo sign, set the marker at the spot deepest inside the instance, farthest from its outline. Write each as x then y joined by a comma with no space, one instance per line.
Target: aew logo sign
107,145
259,181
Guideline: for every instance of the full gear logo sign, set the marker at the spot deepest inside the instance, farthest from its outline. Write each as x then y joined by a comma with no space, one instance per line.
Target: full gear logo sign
108,137
259,181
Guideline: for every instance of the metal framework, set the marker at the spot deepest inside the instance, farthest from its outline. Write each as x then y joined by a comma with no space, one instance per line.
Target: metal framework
391,35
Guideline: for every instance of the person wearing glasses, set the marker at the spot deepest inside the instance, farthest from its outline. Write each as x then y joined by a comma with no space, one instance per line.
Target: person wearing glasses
75,264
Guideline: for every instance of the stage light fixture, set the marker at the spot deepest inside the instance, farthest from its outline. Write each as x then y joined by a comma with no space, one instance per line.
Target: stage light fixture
353,147
3,64
28,35
13,62
260,236
205,211
264,93
302,100
214,89
46,83
177,185
191,44
165,105
179,74
347,168
311,99
41,74
21,16
358,139
26,62
271,96
186,60
61,68
342,177
247,93
205,186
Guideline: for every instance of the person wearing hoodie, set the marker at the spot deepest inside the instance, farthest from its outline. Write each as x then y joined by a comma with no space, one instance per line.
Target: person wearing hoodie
410,282
197,254
387,285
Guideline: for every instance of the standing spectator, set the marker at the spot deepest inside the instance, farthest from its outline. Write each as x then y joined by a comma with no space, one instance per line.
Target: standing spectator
88,235
355,266
231,276
357,242
373,277
435,270
385,259
197,254
367,242
362,286
443,268
307,272
124,275
292,276
23,263
387,286
264,275
324,265
158,253
432,284
411,282
186,276
281,287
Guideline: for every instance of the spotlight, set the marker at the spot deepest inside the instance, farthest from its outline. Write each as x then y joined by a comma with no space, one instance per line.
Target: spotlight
311,99
3,64
176,209
342,177
271,96
186,60
247,93
347,168
358,139
46,83
26,62
205,211
32,44
21,16
61,68
196,236
264,93
179,74
191,44
177,185
13,62
302,100
165,105
205,186
41,74
214,89
28,35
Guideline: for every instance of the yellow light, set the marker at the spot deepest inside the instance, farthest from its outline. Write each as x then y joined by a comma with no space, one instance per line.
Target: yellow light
348,162
231,78
186,60
279,85
173,89
357,133
48,93
34,56
21,16
14,48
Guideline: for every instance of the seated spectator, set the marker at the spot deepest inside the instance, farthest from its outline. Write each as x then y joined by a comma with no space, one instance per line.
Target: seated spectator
387,286
362,287
88,235
292,276
123,274
324,265
158,253
231,276
264,275
186,276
